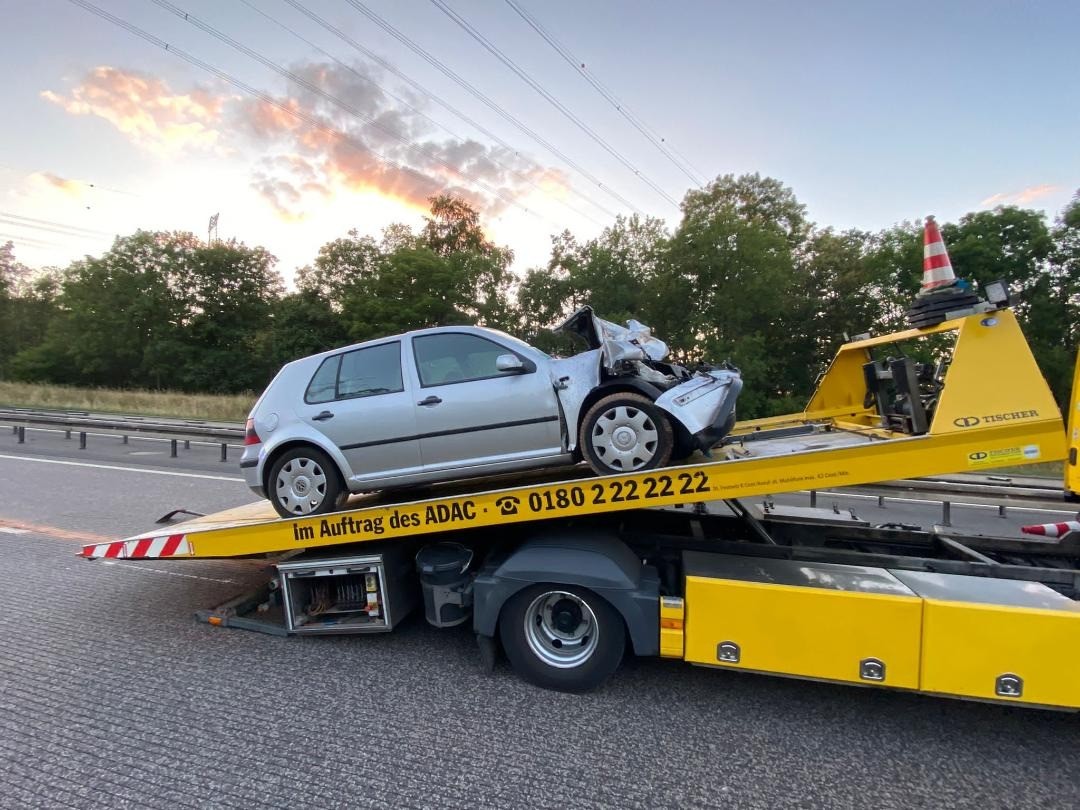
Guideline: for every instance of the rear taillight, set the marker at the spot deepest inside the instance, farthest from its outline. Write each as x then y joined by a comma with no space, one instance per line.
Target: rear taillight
250,436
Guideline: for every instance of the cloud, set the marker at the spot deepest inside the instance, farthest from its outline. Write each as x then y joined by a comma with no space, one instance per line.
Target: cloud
1023,197
72,188
146,110
365,139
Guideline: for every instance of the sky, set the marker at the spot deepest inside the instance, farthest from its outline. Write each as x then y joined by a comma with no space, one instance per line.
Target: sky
301,130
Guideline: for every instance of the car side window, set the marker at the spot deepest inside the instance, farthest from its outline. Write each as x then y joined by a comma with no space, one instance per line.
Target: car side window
359,373
456,357
323,386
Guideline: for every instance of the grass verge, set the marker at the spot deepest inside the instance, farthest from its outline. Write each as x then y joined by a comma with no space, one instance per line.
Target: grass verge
212,407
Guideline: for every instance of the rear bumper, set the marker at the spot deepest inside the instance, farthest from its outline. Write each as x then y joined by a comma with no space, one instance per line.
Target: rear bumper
251,467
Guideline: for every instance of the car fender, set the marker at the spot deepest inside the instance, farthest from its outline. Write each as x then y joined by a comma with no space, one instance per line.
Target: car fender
703,403
302,433
574,379
598,561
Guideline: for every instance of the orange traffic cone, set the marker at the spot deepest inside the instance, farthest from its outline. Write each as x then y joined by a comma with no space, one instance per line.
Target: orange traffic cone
937,269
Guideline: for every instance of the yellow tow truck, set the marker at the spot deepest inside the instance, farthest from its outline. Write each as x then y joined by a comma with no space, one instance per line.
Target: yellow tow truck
564,573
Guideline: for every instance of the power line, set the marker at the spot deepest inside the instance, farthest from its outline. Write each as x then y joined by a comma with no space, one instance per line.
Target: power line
31,222
520,175
310,121
498,109
59,231
656,140
491,48
28,241
350,109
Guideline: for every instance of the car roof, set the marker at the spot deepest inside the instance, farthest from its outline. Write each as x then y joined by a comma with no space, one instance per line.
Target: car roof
482,331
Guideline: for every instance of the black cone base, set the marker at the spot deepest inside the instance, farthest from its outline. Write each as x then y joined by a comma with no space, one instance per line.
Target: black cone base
930,308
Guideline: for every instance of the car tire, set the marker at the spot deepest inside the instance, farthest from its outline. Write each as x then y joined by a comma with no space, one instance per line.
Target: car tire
562,637
304,481
626,432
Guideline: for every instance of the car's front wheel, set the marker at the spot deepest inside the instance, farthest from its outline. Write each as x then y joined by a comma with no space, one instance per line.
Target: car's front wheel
304,481
626,432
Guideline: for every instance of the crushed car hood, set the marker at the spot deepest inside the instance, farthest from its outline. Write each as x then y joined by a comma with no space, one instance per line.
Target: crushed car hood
631,342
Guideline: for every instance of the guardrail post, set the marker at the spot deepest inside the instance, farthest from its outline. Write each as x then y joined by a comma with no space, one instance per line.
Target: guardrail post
21,432
1001,510
172,448
187,444
82,439
224,452
881,501
125,438
813,499
67,434
946,513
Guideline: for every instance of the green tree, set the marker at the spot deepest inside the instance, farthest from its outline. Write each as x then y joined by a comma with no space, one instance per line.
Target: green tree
301,324
733,290
162,310
452,231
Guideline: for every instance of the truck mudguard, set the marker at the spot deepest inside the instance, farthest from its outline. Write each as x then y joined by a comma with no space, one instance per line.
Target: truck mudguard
596,560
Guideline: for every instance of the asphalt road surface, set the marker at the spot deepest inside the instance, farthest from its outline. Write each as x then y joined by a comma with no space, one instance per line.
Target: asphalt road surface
111,695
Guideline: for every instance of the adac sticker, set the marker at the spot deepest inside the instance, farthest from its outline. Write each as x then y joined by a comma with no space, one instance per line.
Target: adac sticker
1004,456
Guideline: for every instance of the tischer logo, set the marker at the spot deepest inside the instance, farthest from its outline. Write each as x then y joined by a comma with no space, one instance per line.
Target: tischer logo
972,421
978,455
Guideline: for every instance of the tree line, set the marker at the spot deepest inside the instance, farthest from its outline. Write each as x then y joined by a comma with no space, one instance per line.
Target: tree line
744,276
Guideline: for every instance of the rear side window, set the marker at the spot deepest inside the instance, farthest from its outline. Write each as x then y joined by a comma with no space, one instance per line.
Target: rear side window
456,357
359,373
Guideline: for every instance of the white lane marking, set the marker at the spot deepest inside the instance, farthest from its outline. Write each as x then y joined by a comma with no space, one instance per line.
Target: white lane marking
140,567
147,453
1011,507
121,469
10,530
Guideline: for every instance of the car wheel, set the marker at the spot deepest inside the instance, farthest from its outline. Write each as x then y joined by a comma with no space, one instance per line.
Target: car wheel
304,481
562,637
626,433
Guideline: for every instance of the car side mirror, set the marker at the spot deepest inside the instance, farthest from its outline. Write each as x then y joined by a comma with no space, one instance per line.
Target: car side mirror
509,364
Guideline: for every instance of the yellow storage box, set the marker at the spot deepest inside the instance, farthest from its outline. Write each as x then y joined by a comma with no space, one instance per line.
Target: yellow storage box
815,620
998,639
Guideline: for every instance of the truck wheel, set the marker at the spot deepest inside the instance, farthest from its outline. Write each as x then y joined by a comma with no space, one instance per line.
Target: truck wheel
562,637
304,481
626,433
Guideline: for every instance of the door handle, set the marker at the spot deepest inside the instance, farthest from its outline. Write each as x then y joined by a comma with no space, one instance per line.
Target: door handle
432,400
322,417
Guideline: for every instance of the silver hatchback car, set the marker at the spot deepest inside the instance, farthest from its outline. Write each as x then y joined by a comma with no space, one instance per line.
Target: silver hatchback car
462,401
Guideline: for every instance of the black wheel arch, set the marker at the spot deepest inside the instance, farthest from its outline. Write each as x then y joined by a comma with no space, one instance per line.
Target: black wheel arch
595,560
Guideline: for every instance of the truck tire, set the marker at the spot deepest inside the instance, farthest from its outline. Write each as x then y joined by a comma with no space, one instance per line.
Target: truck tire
562,637
304,481
626,432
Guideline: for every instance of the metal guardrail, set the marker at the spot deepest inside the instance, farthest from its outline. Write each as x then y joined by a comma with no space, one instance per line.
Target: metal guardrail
85,422
82,420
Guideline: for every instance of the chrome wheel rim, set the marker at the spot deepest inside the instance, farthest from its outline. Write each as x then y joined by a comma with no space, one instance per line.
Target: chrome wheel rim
624,438
301,486
561,629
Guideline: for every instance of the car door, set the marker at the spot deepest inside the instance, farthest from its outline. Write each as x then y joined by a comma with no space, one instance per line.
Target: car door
359,401
468,412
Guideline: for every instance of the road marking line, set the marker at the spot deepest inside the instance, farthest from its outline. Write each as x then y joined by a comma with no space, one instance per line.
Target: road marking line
141,567
9,526
121,469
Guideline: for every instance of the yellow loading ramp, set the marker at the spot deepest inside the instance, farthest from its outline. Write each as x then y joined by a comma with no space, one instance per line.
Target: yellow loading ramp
948,634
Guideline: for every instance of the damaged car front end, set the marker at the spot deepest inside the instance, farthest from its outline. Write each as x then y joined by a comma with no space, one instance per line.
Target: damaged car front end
700,404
